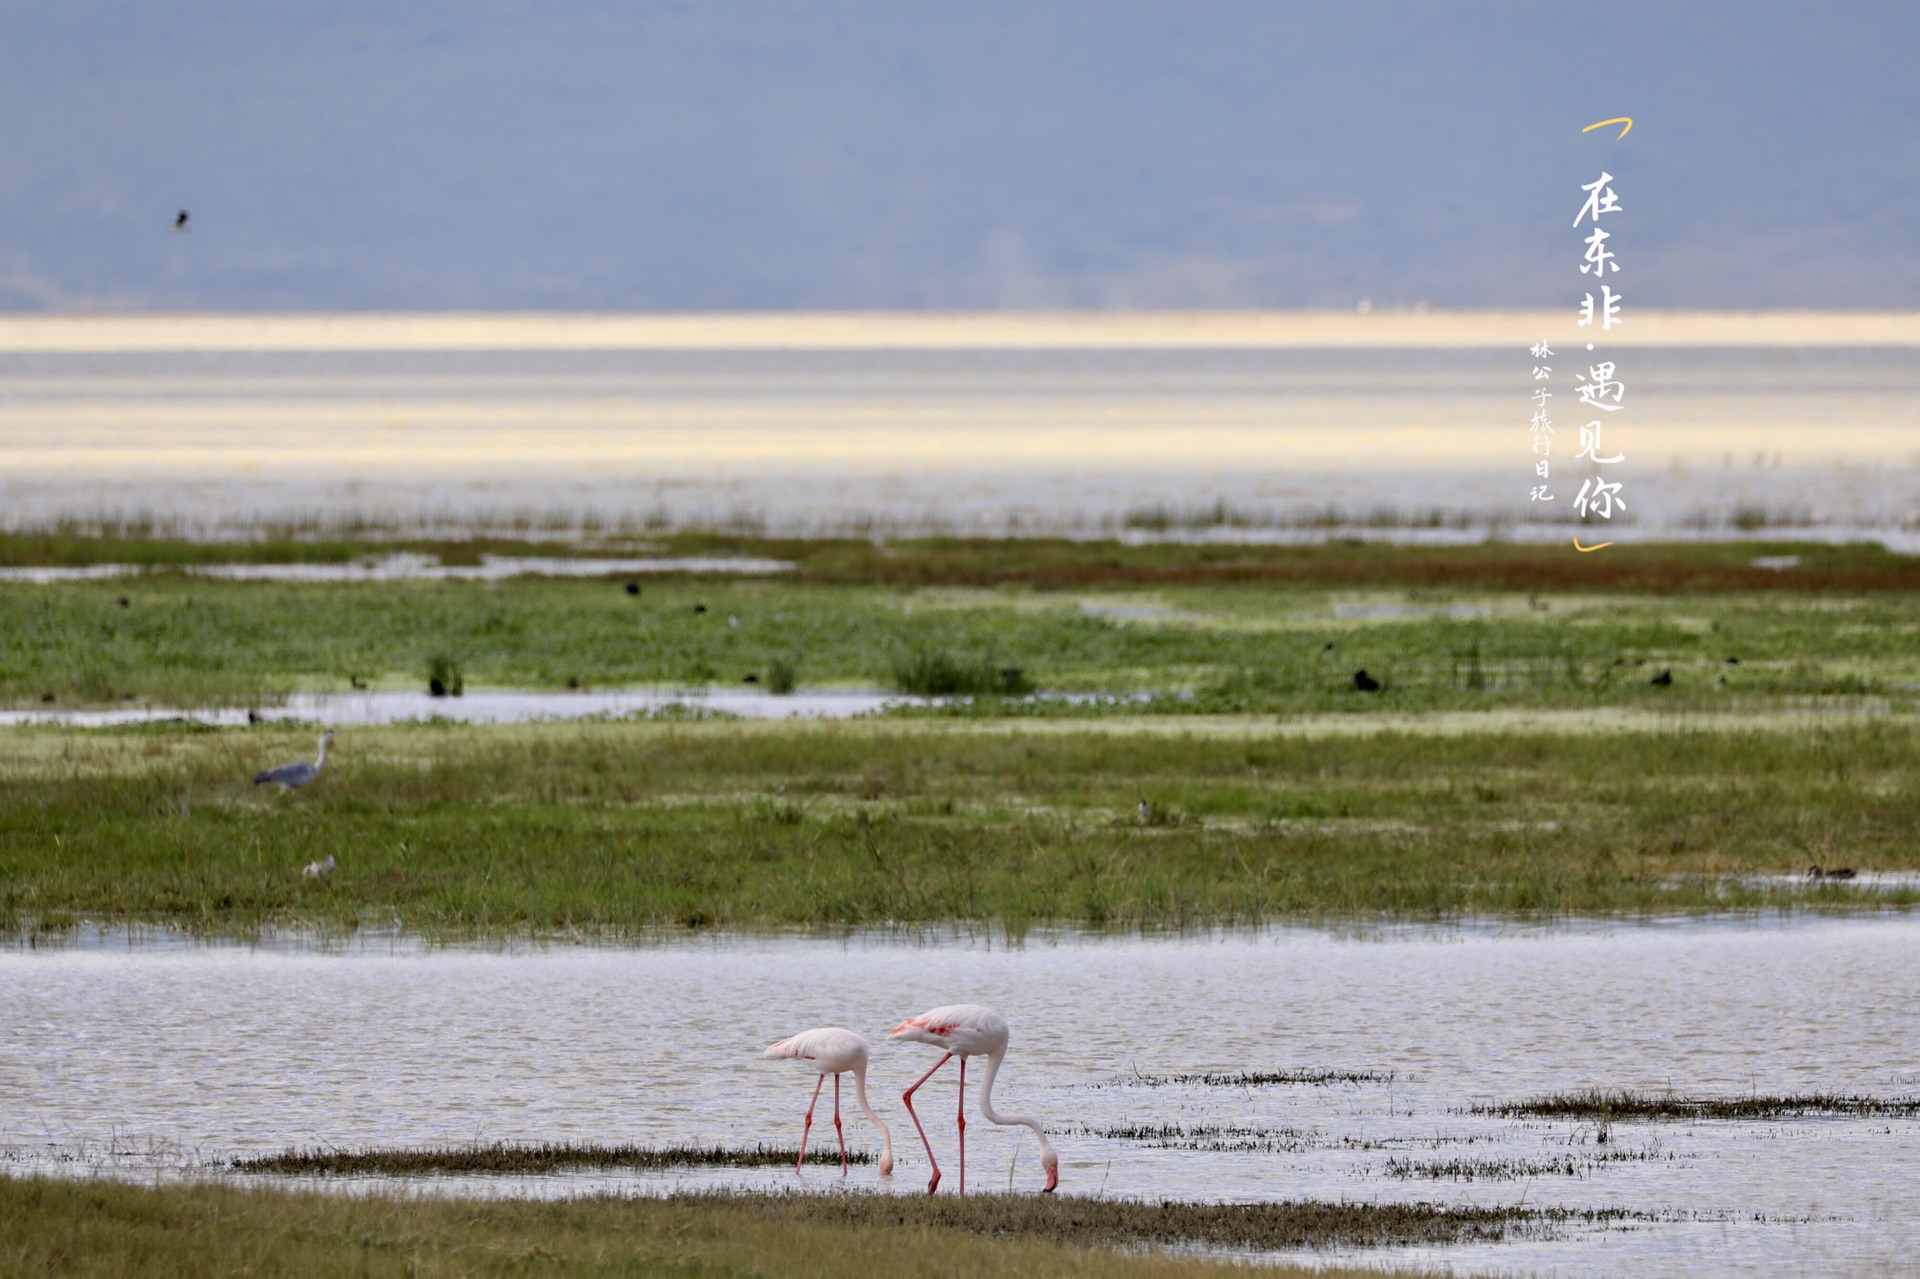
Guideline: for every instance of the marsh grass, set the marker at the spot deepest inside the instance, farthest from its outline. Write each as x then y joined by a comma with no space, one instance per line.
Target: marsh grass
1214,1138
1186,645
1607,1106
109,1229
446,677
941,674
1257,1227
622,829
1584,1164
509,1159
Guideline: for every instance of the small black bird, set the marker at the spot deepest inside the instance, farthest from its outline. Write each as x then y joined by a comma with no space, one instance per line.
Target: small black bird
180,220
1664,678
699,608
1365,682
633,588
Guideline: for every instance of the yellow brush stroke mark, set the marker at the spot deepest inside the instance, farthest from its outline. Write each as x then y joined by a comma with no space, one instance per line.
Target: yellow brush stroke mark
1583,549
1626,120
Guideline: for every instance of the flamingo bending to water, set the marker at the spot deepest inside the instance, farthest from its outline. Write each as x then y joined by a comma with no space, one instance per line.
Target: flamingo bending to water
833,1051
968,1030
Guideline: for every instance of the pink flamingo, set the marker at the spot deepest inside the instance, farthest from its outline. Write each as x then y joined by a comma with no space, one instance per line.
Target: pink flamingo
833,1051
968,1030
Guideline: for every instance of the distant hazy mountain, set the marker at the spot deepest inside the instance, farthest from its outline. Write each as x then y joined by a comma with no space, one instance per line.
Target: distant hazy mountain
613,154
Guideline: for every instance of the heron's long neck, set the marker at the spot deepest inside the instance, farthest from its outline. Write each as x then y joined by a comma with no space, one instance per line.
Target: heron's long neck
886,1135
322,761
986,1103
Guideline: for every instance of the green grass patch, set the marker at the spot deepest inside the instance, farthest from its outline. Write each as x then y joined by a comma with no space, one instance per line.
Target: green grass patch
619,829
1222,648
103,1228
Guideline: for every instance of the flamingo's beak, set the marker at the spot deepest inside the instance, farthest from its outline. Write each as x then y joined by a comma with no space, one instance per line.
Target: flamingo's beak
1053,1180
886,1165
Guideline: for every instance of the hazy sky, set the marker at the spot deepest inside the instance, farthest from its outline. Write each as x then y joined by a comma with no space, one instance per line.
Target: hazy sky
616,155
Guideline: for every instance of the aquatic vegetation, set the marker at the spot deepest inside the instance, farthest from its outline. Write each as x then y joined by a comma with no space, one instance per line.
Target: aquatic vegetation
1265,1227
1217,1138
1606,1106
509,1159
1583,1164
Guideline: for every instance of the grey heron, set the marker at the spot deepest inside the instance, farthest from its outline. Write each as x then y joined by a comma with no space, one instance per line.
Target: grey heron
298,773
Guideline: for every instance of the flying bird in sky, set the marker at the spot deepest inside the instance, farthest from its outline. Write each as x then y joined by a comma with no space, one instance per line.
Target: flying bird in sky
180,220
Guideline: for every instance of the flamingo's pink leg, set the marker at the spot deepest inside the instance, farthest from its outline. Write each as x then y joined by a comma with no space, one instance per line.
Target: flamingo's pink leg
907,1097
837,1129
809,1128
963,1125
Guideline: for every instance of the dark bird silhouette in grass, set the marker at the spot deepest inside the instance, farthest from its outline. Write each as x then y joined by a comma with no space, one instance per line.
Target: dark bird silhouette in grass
1838,872
1365,682
180,220
1664,678
633,588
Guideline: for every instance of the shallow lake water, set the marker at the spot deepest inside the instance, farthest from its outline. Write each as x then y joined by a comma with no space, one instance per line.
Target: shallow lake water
966,438
129,1059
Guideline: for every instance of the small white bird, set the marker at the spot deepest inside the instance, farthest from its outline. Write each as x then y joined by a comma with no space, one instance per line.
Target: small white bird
298,773
831,1050
320,869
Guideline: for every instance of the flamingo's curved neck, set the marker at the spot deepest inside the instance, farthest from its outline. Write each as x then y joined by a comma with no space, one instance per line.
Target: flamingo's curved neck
994,1116
886,1134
